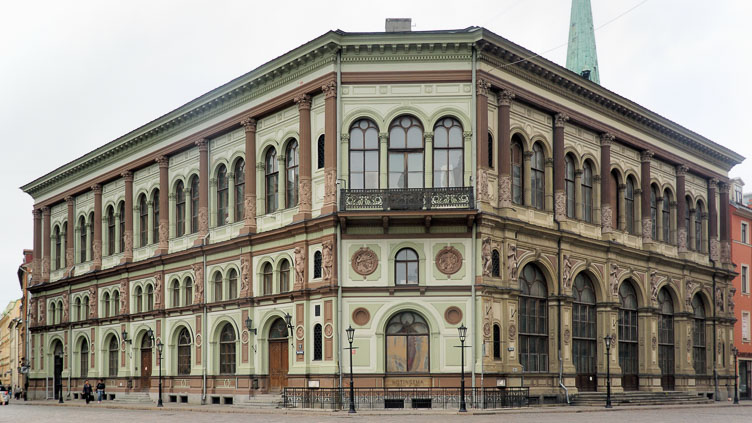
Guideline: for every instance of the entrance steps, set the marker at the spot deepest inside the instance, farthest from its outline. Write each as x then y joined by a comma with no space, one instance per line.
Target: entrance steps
260,401
640,398
133,398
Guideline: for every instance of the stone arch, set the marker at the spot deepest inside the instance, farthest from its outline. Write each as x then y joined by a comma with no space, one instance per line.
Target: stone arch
406,110
174,183
545,266
572,153
264,148
524,137
363,113
673,293
451,113
540,139
216,165
600,288
639,292
594,163
617,170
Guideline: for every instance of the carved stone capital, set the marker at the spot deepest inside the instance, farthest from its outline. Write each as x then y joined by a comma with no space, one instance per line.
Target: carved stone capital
303,101
69,200
127,175
713,183
560,119
481,87
46,211
345,137
202,144
681,170
549,161
528,155
723,187
607,139
97,189
646,156
428,136
249,124
37,213
505,97
163,161
329,89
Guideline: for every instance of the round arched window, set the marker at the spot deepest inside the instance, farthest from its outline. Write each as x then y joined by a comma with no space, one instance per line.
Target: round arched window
407,346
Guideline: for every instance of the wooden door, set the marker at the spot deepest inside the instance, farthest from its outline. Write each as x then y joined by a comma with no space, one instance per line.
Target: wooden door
58,380
146,368
278,365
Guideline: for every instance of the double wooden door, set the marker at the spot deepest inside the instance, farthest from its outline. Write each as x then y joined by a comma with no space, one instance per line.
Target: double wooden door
278,365
146,367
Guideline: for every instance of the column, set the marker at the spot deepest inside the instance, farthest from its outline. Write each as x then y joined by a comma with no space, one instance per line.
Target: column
203,188
97,244
304,189
249,224
715,253
560,197
681,208
164,205
128,236
69,251
481,115
607,219
46,239
36,263
647,224
503,155
725,244
330,148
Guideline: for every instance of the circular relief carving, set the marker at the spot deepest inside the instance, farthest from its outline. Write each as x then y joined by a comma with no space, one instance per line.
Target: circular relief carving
449,260
361,316
198,340
328,330
299,332
244,337
654,342
512,332
364,261
453,315
487,329
567,336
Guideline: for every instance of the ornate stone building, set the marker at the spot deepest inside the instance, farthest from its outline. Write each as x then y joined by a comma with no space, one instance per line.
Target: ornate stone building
403,184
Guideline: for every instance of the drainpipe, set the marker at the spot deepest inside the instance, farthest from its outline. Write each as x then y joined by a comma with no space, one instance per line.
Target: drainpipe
27,354
558,310
339,228
203,322
474,112
716,393
70,343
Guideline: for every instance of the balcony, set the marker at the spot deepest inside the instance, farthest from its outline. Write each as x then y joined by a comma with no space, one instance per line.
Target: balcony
407,199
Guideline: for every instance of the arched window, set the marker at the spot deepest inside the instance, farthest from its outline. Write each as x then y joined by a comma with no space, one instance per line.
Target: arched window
112,368
184,352
317,264
217,286
569,184
121,213
447,153
406,153
272,181
291,166
406,267
533,320
364,155
227,350
666,216
699,212
84,356
537,178
666,339
698,335
516,155
143,221
110,230
496,342
268,277
58,247
188,291
115,302
222,195
654,212
179,209
584,334
628,336
139,300
77,309
239,190
284,276
614,199
86,311
149,297
155,216
175,293
587,192
91,235
52,313
321,151
317,343
687,222
495,264
629,206
106,304
82,239
490,151
407,344
194,204
64,234
232,289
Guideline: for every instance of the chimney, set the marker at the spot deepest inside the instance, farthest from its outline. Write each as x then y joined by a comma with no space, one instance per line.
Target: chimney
398,24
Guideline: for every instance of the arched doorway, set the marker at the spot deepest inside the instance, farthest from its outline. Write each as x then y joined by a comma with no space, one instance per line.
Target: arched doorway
628,339
666,339
584,343
278,355
145,363
57,358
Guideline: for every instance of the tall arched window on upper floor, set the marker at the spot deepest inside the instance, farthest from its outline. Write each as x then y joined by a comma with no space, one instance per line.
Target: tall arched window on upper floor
188,291
139,300
496,342
184,352
317,343
587,192
406,267
317,265
58,246
77,309
218,287
569,184
114,303
222,195
194,204
86,311
110,230
666,339
533,320
698,335
232,282
320,152
447,154
227,341
292,169
654,211
490,151
271,171
699,213
364,155
516,156
239,190
268,276
284,276
495,264
179,209
82,239
666,216
149,297
687,223
629,208
106,304
155,216
614,199
175,293
537,177
91,235
143,221
52,313
64,234
121,212
406,153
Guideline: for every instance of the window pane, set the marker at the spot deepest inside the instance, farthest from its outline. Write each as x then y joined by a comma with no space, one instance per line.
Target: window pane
415,137
440,138
455,137
356,139
396,162
356,161
372,138
397,138
412,272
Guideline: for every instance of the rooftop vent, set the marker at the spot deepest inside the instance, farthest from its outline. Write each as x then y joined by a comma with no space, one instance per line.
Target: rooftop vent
399,24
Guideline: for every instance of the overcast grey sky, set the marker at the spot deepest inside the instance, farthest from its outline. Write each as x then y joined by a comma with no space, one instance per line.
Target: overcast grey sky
77,74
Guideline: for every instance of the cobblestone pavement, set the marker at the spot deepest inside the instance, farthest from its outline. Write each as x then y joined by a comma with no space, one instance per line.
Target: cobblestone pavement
25,413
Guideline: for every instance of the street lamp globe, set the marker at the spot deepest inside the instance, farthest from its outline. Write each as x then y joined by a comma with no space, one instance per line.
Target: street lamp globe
350,334
463,332
608,339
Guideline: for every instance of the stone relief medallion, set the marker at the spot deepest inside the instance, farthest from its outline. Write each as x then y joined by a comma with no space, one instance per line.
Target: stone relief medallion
449,260
361,316
198,340
512,332
654,342
122,346
244,337
453,315
487,329
92,348
364,261
567,336
299,332
328,330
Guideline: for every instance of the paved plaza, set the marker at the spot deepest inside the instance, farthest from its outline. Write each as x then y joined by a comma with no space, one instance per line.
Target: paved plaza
37,413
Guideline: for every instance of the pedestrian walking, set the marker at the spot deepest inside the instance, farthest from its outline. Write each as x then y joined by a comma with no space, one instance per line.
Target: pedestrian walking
100,391
87,391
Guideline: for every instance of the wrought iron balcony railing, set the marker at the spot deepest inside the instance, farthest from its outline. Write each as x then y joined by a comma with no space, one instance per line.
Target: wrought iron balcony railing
407,199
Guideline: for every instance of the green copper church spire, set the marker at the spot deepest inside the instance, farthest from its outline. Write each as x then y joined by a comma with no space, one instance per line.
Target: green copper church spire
582,57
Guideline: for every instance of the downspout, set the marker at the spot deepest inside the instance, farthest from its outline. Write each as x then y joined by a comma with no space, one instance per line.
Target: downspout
474,113
70,341
27,357
717,393
203,322
558,310
339,228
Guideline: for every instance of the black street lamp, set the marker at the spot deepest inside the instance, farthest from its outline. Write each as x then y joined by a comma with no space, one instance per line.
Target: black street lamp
350,336
160,347
608,339
249,325
463,333
288,320
736,376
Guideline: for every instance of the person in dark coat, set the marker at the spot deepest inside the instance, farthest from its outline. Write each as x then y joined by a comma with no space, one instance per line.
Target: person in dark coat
87,391
100,391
